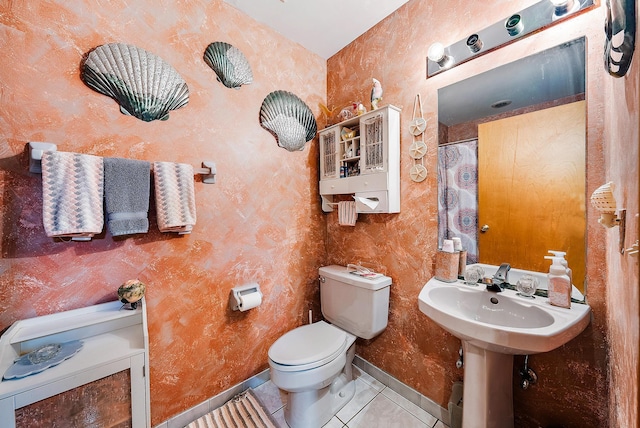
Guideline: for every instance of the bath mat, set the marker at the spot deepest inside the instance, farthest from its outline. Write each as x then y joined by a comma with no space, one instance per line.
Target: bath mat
243,410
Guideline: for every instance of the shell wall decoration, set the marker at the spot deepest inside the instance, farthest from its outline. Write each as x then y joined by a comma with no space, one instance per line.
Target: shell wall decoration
289,119
142,83
229,63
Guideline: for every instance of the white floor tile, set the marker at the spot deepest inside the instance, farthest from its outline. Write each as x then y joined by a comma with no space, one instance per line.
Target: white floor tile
381,412
415,410
373,406
334,423
364,394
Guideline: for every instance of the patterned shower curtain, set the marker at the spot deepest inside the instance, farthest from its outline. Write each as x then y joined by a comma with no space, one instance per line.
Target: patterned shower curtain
458,195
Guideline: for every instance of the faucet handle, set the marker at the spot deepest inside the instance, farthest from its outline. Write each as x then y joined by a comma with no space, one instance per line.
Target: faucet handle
503,272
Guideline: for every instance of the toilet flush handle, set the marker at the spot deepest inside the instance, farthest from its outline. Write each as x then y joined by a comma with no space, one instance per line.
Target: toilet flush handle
321,279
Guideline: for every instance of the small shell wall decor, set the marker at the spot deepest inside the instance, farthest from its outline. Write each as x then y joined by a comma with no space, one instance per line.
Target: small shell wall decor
229,63
289,119
145,86
131,292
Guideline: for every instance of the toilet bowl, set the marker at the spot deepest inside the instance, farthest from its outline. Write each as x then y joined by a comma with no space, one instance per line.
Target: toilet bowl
313,363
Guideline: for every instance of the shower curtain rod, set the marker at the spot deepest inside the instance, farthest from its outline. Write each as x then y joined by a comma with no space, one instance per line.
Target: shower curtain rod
449,143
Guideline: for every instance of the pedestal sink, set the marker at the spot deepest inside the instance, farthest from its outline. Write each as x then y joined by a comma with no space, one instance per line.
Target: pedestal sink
493,328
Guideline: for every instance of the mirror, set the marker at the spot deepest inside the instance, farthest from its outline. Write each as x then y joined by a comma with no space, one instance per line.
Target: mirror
511,161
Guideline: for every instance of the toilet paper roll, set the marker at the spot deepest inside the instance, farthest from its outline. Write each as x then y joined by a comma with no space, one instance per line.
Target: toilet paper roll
250,301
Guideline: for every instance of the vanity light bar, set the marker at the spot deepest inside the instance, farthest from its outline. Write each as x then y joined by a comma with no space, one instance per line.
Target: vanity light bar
520,24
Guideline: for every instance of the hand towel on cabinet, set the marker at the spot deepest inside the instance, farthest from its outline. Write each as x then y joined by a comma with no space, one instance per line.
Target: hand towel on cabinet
347,214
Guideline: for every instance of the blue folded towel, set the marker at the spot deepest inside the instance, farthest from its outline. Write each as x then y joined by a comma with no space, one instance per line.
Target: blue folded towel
126,194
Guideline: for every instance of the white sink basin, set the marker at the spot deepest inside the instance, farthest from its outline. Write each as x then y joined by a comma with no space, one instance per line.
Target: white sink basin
501,322
493,327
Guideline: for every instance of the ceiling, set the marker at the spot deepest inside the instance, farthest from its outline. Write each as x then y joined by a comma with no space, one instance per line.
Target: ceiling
321,26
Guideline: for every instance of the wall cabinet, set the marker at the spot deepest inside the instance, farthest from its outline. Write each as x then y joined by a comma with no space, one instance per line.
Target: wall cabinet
361,156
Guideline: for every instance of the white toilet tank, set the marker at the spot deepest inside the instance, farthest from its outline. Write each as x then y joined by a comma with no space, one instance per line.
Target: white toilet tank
354,303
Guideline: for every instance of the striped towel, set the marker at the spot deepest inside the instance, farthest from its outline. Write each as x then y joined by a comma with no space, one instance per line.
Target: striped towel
347,214
244,410
72,192
175,197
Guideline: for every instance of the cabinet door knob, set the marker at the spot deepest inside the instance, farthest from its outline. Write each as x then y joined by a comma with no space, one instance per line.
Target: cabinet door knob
484,228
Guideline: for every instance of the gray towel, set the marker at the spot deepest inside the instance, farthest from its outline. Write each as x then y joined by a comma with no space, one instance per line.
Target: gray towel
126,195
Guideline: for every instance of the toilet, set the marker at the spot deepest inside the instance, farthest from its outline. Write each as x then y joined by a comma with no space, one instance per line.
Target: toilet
313,362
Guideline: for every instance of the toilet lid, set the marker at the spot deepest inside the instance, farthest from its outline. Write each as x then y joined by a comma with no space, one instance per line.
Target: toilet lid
312,343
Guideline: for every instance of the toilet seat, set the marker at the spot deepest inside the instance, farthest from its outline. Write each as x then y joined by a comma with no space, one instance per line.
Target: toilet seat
308,347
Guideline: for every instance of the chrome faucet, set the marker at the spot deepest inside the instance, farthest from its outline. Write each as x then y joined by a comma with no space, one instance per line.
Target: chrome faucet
500,278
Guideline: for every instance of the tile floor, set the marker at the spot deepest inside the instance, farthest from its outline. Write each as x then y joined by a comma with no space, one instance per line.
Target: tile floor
374,405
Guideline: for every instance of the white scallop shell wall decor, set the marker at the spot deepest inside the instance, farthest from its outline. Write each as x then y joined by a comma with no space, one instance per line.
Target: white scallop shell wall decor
229,63
289,119
145,86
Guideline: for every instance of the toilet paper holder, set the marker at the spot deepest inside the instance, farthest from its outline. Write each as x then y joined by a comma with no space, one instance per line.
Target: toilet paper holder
239,293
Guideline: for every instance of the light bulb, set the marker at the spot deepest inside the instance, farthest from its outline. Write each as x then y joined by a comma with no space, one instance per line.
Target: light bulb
436,52
564,7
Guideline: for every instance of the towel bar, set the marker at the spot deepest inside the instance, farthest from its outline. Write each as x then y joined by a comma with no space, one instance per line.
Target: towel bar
35,155
207,171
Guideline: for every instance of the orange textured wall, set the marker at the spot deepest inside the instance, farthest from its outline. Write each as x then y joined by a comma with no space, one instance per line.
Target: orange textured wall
261,221
622,130
573,380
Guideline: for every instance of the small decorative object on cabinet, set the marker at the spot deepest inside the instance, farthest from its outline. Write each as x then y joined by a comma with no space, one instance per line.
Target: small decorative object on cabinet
131,292
361,156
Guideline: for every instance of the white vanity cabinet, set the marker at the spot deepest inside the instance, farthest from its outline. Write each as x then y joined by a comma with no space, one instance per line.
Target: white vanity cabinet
113,340
361,156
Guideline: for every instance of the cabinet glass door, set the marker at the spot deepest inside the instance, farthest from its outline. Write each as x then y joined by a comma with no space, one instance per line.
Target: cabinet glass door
372,143
329,152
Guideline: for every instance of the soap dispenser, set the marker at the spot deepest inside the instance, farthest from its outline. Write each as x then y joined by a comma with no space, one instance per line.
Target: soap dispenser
559,287
564,263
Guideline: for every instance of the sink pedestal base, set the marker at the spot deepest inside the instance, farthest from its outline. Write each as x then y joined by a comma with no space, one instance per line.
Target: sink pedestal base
488,388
